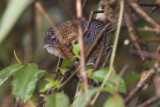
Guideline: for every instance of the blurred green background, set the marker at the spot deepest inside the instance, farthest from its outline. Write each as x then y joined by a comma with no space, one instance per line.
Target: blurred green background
26,38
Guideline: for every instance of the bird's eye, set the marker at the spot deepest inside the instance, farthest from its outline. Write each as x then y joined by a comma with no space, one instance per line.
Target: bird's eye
102,6
54,39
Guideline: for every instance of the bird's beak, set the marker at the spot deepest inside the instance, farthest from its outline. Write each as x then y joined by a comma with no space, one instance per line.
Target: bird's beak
46,45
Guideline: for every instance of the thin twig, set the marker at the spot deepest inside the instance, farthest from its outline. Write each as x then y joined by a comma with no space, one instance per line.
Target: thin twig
55,76
84,4
106,60
61,40
148,40
148,29
97,39
90,19
157,83
157,75
31,2
150,5
40,9
57,69
80,41
155,7
150,101
132,31
43,12
142,83
100,54
64,80
120,76
147,54
67,80
139,87
143,14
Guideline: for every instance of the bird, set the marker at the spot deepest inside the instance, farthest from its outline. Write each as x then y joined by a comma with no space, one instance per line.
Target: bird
59,40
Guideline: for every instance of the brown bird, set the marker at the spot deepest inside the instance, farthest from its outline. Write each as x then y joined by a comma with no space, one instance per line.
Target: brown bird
59,41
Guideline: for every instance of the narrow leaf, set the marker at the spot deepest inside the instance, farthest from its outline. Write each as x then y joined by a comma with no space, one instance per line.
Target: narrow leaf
50,85
11,15
57,100
24,82
9,71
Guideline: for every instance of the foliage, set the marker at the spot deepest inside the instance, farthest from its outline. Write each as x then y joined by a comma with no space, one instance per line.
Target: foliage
9,71
84,98
99,76
22,28
57,100
50,85
25,79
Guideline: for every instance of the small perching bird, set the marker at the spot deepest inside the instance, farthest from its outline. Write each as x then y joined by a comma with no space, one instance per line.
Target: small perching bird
68,33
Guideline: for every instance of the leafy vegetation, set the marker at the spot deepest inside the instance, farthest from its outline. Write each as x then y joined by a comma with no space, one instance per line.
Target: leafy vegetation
37,80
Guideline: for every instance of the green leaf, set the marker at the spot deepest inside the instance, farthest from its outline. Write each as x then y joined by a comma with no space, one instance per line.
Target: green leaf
112,82
63,70
11,15
57,100
114,101
50,85
99,76
76,50
9,71
82,101
24,82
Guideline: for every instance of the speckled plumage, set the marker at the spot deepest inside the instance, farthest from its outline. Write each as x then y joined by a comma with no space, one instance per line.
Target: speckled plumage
68,32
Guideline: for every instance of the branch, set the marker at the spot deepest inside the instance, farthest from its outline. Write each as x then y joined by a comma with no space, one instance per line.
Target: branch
80,41
132,31
97,39
106,60
139,87
150,101
57,69
120,77
143,14
148,54
157,76
100,54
